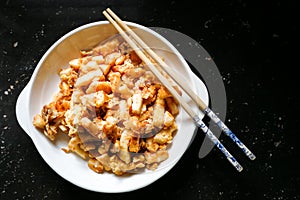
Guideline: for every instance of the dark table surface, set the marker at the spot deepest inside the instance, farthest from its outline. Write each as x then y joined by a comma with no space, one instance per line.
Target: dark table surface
253,45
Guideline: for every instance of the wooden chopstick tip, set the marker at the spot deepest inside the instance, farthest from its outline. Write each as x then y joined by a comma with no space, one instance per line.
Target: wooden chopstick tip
107,11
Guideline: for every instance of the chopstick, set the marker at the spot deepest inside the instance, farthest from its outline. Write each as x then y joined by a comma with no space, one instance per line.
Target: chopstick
203,107
167,84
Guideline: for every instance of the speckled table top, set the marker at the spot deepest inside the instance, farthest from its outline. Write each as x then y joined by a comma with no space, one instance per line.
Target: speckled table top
253,45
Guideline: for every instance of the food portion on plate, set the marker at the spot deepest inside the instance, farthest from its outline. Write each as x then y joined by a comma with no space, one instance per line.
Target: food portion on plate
117,115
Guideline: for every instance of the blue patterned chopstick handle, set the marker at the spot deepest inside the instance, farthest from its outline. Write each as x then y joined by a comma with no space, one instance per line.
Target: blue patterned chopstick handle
228,132
216,141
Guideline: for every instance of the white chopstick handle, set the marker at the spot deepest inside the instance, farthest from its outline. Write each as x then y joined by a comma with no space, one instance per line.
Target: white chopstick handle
229,133
216,141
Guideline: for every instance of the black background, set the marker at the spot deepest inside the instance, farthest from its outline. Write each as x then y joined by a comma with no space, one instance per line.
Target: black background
253,43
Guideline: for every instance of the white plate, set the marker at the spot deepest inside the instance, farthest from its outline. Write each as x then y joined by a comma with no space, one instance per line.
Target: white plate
44,83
